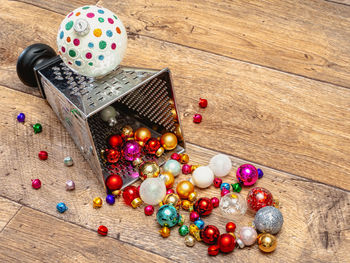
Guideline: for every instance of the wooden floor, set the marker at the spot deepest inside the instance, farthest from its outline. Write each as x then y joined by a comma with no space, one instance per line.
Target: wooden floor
277,78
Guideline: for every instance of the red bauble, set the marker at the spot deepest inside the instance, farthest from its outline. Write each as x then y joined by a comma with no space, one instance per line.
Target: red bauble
43,155
152,145
112,155
210,234
130,193
203,206
213,250
115,140
217,182
215,201
36,183
197,118
259,197
114,182
175,156
194,216
230,227
226,243
102,230
203,103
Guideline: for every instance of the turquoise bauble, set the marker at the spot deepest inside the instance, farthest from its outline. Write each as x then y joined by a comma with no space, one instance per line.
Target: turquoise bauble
167,216
173,167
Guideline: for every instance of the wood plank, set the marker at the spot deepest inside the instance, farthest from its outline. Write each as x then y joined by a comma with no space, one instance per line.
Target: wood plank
316,215
33,236
344,2
7,210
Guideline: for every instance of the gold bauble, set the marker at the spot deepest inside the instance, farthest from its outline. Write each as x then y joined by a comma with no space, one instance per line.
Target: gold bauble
267,242
184,158
168,178
190,241
165,231
142,135
193,229
178,132
149,169
127,132
184,189
172,199
192,196
168,141
97,202
186,205
137,162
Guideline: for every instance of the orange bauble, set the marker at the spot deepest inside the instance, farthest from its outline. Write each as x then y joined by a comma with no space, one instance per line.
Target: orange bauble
184,189
142,135
168,141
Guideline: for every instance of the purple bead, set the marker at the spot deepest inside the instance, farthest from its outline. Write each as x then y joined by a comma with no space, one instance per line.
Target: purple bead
260,173
21,117
247,174
110,199
131,150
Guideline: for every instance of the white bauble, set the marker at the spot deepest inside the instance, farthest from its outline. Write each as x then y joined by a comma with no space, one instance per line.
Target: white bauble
221,165
203,177
92,41
152,191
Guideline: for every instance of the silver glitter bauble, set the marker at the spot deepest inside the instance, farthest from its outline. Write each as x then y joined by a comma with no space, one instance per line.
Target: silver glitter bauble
68,161
268,219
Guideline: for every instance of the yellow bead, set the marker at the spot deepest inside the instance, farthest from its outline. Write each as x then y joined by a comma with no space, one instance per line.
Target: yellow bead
168,178
194,167
160,151
193,229
184,158
142,135
276,203
172,199
186,204
116,193
165,231
267,242
168,141
192,196
97,202
184,189
136,202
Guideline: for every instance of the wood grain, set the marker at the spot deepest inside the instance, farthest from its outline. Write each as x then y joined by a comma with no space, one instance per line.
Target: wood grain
317,216
44,238
7,210
279,120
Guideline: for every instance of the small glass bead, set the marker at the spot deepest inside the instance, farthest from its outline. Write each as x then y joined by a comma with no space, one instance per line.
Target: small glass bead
21,117
260,173
199,223
183,230
68,161
236,187
61,207
37,128
225,185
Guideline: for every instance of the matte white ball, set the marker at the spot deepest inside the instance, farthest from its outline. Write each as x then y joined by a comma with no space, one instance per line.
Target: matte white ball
221,165
248,235
152,191
203,177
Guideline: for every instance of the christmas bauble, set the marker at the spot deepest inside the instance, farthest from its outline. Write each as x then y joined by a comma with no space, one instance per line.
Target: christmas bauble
184,189
248,235
173,167
213,250
232,205
149,210
203,206
149,169
226,243
259,197
221,165
247,174
152,146
152,191
112,155
130,193
210,234
114,182
142,135
172,199
115,140
168,179
131,150
269,220
168,141
203,177
167,216
267,242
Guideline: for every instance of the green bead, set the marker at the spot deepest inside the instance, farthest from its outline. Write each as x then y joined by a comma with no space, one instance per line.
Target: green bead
183,230
37,128
181,220
236,187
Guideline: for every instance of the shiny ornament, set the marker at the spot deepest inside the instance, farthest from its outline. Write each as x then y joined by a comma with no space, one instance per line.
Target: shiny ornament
170,191
61,207
183,230
248,235
225,185
269,220
152,146
213,250
185,204
224,192
37,128
203,206
184,158
176,157
197,118
114,182
142,135
160,151
186,169
131,150
260,173
190,241
173,167
152,191
36,183
127,132
215,201
193,229
102,230
92,41
68,161
97,202
110,199
267,242
226,243
194,216
172,199
240,243
192,197
165,231
116,193
221,165
210,234
168,141
167,216
149,210
247,174
112,155
70,185
137,162
130,194
259,197
203,177
230,227
199,223
203,103
233,205
181,220
115,140
168,179
149,169
236,187
109,115
194,167
217,182
184,189
21,117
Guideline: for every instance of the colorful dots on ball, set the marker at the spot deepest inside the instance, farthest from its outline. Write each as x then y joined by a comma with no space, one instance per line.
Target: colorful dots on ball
69,25
90,15
101,11
118,30
36,183
102,230
61,35
37,128
102,44
110,20
78,63
61,207
101,20
101,57
109,33
113,46
91,45
76,42
97,32
21,117
72,53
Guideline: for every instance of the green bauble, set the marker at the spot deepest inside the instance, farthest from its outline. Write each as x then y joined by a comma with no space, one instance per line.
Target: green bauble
167,216
183,230
236,187
37,128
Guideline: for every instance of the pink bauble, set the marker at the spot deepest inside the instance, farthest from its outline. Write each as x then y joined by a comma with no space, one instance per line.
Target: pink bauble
149,210
248,235
131,150
186,169
224,191
247,174
170,191
194,216
36,183
215,201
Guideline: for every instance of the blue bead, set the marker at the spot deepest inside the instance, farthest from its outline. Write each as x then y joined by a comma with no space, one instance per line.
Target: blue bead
61,207
110,199
91,45
61,35
78,63
101,11
225,185
109,33
260,173
101,57
21,117
199,223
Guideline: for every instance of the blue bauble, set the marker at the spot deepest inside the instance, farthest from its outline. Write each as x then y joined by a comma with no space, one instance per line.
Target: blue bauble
173,167
167,216
21,117
225,185
260,173
199,223
61,207
110,199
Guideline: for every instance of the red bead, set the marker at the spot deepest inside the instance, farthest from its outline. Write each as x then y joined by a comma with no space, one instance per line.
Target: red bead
175,156
194,216
152,145
115,140
36,183
43,155
203,103
149,210
197,118
186,169
226,243
112,155
170,191
213,250
210,234
224,191
114,182
230,227
203,206
102,230
259,197
130,193
215,201
217,182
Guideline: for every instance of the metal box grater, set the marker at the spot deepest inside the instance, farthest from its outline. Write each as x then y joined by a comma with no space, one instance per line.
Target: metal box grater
142,97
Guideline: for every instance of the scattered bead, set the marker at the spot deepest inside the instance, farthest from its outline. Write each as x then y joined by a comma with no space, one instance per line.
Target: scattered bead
220,164
115,140
61,207
183,230
210,234
197,118
102,230
68,161
213,250
170,191
173,167
203,177
192,196
43,155
217,182
190,241
149,210
185,205
110,199
268,220
232,205
224,192
215,201
203,206
225,185
230,227
184,158
130,193
199,223
194,167
167,215
236,187
116,193
172,199
168,141
70,185
203,103
97,202
114,182
37,128
193,229
36,183
260,173
165,231
176,157
21,117
184,189
194,216
186,169
239,243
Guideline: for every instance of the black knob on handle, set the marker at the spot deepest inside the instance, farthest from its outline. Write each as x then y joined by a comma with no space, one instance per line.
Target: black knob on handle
30,57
